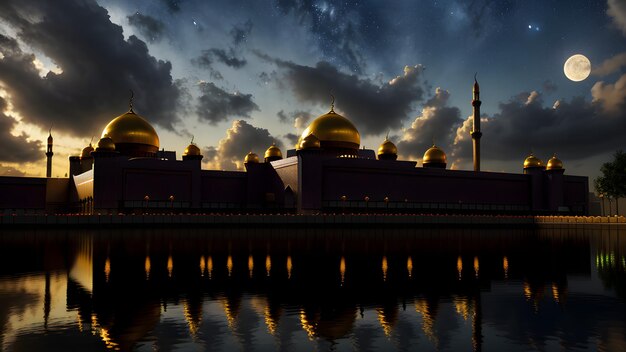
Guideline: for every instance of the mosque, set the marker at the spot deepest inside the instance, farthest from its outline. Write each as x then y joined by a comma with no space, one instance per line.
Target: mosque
128,172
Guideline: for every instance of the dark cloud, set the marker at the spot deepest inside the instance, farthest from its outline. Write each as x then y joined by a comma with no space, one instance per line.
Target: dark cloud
617,11
437,123
229,58
98,68
299,118
241,138
240,33
338,27
574,129
172,5
476,11
373,107
216,104
549,86
151,28
292,140
16,148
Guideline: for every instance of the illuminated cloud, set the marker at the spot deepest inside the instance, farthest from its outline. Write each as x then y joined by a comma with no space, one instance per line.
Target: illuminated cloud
150,28
98,65
16,148
241,138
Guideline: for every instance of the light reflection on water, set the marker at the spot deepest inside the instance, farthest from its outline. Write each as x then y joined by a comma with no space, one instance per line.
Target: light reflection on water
312,289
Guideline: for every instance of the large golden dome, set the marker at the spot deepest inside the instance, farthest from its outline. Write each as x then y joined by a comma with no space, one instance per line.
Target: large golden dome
554,163
333,131
434,156
131,128
309,142
532,161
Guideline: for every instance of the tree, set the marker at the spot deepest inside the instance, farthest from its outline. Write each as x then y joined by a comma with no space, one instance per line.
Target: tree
612,182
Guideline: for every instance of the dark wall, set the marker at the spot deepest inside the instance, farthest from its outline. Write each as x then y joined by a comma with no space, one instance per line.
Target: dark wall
22,193
223,186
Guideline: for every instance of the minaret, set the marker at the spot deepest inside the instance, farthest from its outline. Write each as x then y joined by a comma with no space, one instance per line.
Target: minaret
476,134
49,155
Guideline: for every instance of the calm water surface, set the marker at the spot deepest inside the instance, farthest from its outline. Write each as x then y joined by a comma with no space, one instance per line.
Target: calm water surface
312,290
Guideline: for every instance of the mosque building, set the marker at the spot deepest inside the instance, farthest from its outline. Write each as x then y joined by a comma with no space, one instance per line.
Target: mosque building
128,171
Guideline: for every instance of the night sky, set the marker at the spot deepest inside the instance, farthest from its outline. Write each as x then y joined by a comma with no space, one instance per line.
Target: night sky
237,75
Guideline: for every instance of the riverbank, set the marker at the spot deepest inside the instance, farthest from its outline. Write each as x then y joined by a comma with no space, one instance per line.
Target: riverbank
307,220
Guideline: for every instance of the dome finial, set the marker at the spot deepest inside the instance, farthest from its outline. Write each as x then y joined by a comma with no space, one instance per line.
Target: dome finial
475,74
332,103
130,100
91,140
387,136
191,139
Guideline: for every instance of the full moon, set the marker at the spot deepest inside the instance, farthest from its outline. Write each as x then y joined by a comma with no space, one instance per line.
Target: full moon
577,68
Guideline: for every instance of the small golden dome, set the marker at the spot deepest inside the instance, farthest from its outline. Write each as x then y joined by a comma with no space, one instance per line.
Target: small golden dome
86,153
387,147
105,144
309,142
273,152
132,129
532,161
334,131
251,158
554,163
434,155
191,149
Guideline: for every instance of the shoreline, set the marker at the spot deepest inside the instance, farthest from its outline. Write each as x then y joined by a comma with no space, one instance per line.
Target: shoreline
318,220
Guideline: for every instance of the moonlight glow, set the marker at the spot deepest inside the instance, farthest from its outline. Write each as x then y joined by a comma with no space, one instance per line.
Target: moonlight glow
577,68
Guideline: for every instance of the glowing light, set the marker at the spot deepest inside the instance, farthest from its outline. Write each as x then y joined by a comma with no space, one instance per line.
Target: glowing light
268,264
289,267
555,292
269,321
307,326
476,266
385,267
147,266
459,266
250,265
505,266
462,307
170,266
192,322
428,321
107,269
202,265
229,265
209,265
409,266
342,269
383,321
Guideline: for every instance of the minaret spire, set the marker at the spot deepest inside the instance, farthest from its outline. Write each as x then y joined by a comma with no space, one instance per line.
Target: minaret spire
476,133
49,154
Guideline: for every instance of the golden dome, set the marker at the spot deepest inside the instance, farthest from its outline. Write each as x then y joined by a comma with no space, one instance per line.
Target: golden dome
434,155
387,147
86,153
273,152
334,131
105,144
532,161
191,149
554,163
132,129
309,142
251,158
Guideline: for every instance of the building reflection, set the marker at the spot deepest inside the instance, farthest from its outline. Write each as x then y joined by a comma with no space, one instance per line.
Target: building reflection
323,289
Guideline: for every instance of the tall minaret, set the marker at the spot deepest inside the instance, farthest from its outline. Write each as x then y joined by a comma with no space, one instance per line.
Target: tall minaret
49,155
476,134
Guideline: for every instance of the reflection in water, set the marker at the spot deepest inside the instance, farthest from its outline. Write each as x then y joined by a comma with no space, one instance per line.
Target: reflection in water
547,290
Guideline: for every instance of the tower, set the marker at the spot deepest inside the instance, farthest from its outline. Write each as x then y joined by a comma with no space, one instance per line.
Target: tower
476,134
49,155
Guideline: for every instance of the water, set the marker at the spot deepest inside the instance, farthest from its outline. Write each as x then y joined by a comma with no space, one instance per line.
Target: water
313,289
